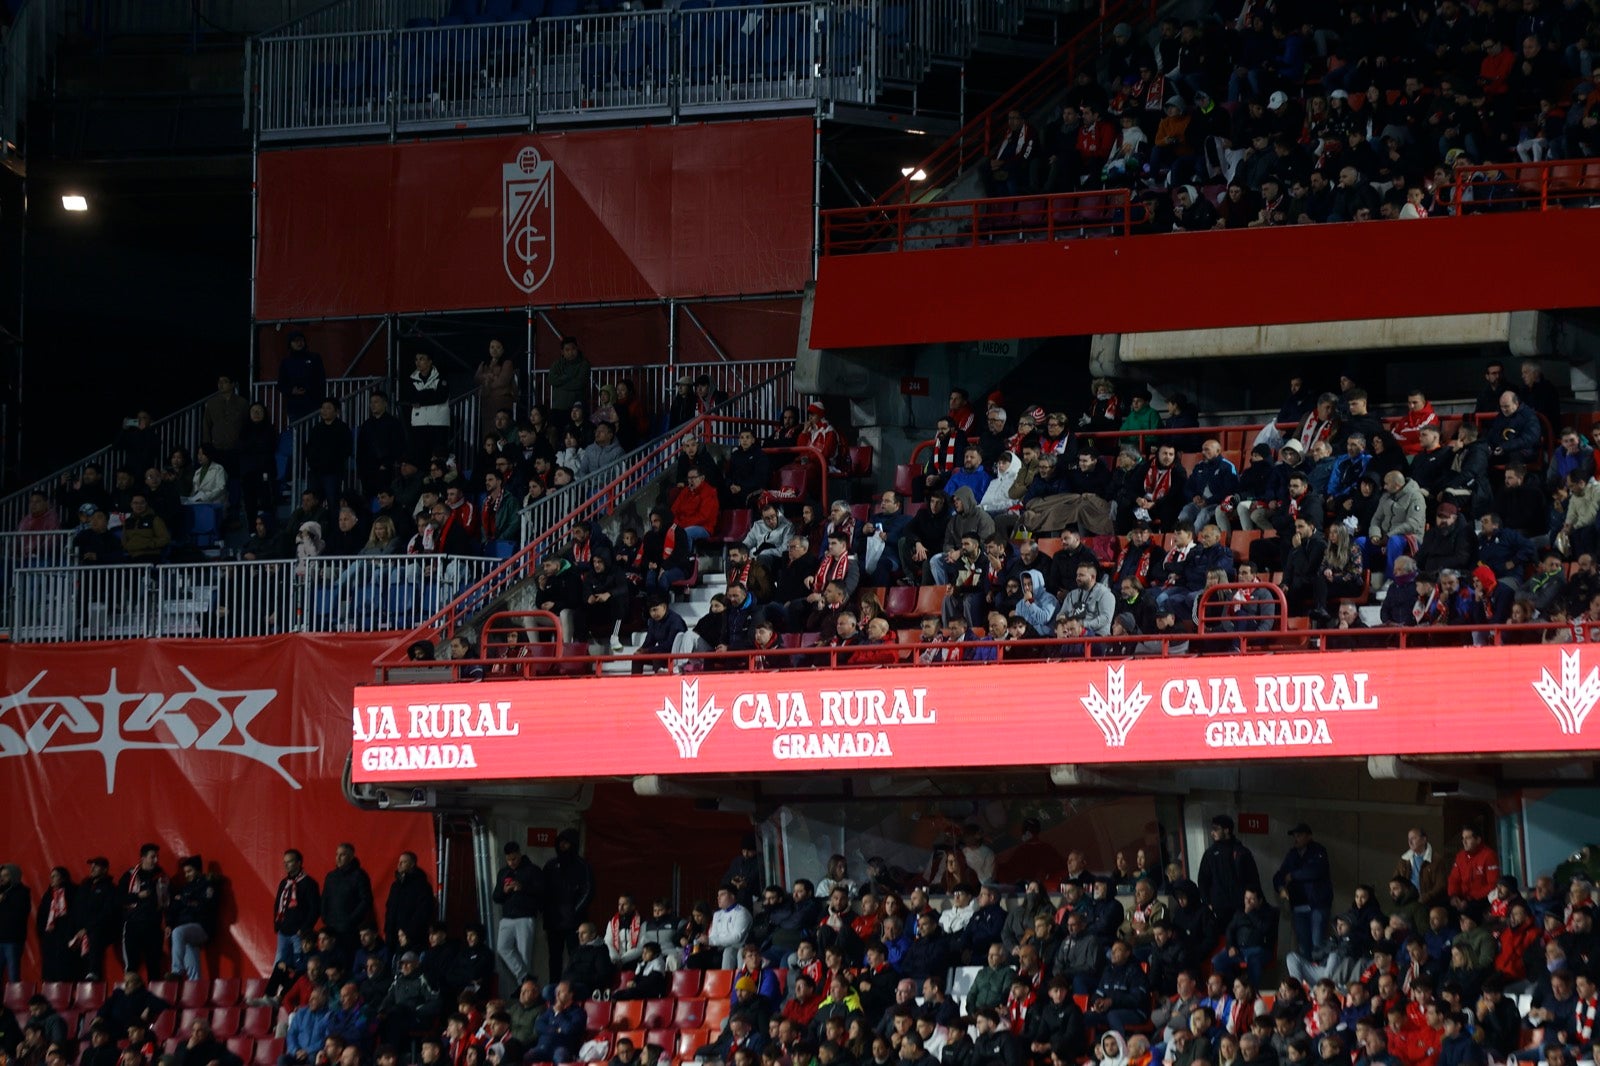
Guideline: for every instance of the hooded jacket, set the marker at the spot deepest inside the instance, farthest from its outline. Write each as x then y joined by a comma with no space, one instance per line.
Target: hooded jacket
972,520
997,497
1191,920
569,884
1041,610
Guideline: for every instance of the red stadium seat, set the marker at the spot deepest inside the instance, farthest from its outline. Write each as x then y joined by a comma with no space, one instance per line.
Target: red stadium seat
626,1014
165,990
905,479
661,1038
89,995
900,601
717,1011
596,1012
58,993
193,994
242,1046
225,992
860,460
17,995
224,1022
268,1051
690,1041
685,984
165,1025
257,1022
657,1014
253,988
189,1015
689,1013
930,599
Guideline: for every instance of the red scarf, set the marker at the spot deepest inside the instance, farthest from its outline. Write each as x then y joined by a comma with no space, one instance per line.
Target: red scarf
944,455
1157,480
1583,1018
616,932
831,569
58,908
491,511
1312,431
669,542
1049,445
582,553
741,575
1141,570
289,894
1017,1011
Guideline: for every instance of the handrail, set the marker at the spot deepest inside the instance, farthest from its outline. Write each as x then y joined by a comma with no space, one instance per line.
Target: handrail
524,563
972,141
1051,217
1210,592
1083,648
1543,186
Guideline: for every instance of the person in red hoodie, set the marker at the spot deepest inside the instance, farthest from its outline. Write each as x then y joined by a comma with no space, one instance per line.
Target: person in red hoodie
1475,872
1520,934
962,416
695,508
1419,413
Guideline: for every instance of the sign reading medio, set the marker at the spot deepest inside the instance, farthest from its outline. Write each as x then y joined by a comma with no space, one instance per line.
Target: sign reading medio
1295,705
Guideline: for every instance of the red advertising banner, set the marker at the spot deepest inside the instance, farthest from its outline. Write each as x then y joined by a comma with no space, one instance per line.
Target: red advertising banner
640,214
1295,705
233,751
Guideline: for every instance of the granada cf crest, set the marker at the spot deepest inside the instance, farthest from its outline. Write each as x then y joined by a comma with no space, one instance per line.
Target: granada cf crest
528,219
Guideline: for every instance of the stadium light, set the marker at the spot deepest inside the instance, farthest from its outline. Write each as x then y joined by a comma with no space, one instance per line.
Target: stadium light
74,202
914,173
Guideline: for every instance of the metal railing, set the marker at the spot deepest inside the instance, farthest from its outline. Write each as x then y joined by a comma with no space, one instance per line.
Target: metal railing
234,599
1543,186
655,383
968,223
554,516
361,79
353,16
266,393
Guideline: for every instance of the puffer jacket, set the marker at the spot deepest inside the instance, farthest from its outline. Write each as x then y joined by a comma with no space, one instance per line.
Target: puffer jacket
1400,514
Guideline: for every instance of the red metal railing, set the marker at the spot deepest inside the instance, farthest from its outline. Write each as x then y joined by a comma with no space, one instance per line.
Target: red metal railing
1298,637
975,140
967,223
1545,186
888,226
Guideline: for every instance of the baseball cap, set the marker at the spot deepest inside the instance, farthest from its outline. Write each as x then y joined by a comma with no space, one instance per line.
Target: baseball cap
1277,100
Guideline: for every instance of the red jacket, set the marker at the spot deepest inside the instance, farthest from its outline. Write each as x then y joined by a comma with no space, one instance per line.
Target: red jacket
1409,429
696,506
1474,874
1414,1045
1513,944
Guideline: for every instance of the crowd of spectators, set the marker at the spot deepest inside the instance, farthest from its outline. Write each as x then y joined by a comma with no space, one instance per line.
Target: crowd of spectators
1276,113
1110,522
1019,959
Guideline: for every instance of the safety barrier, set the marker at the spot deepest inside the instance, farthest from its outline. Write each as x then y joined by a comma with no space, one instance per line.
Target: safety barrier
968,223
361,79
653,384
1543,186
266,393
53,604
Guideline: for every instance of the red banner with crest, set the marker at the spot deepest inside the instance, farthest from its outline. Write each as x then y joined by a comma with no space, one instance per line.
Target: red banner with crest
599,215
1461,701
233,751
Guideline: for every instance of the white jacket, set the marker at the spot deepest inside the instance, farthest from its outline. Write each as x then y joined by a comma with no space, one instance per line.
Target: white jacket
210,484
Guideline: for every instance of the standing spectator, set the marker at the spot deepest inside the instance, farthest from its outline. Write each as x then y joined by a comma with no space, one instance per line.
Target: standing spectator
497,385
328,449
302,380
191,917
143,891
297,906
346,897
379,445
1540,393
569,377
1305,882
222,421
139,443
1418,866
95,915
257,459
427,394
1227,870
15,904
519,889
1008,171
569,886
410,905
59,960
1475,872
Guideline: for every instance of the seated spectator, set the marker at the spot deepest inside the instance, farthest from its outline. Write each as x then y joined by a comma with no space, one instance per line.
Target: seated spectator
145,535
666,553
558,1031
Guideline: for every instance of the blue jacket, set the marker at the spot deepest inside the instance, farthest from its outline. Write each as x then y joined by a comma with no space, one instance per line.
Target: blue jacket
1460,1051
977,480
1517,435
1346,475
1311,883
984,929
1124,986
561,1029
1507,552
1200,560
307,1030
1213,480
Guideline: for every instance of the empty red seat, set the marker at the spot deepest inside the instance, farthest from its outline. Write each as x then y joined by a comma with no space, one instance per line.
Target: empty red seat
625,1014
242,1046
17,995
690,1041
165,990
253,988
657,1014
661,1038
189,1015
193,994
224,1022
57,993
268,1051
166,1024
717,1011
596,1013
860,460
900,601
796,480
930,599
690,1013
685,984
225,992
89,995
905,479
257,1022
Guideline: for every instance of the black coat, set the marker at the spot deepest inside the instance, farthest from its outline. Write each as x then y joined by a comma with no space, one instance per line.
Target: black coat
1226,870
303,915
410,906
569,885
194,902
346,898
529,895
16,904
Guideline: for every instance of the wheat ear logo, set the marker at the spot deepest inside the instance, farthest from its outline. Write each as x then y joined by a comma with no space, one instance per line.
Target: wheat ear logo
1573,697
1116,711
689,722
